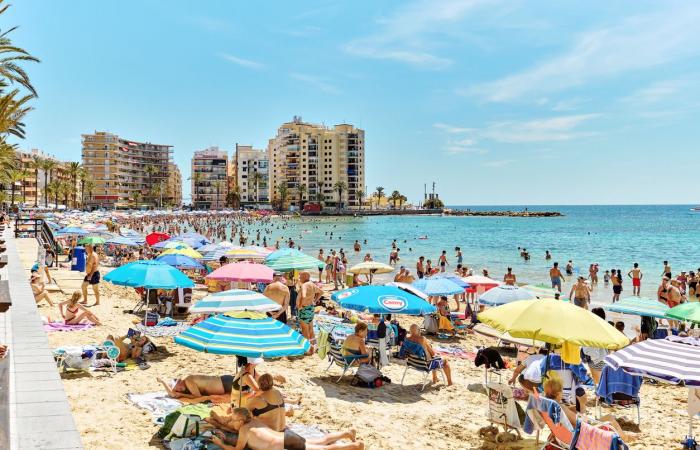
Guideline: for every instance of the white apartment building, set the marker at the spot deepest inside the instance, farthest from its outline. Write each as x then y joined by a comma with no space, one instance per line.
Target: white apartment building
252,174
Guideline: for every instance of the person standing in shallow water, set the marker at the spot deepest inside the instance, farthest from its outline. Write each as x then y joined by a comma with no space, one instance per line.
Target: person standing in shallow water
636,275
556,276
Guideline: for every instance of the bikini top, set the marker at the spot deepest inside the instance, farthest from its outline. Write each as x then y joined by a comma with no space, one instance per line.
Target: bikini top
268,407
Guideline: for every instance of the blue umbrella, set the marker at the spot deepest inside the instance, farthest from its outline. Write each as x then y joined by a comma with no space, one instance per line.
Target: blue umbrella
121,240
150,275
180,261
437,286
382,300
453,278
73,230
500,295
170,243
248,334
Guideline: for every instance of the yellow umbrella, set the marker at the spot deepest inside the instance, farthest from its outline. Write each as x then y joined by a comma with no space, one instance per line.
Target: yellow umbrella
554,322
192,253
242,253
373,267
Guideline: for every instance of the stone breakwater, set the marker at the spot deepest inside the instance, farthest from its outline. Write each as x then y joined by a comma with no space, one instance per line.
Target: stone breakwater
467,212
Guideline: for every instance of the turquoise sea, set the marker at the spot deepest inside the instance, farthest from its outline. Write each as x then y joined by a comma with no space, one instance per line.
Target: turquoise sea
613,236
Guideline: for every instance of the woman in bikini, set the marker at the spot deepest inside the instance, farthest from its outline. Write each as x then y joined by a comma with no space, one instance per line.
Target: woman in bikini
268,404
245,383
76,313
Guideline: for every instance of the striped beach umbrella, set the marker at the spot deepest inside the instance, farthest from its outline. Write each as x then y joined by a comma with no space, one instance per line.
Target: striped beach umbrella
242,253
121,240
689,312
250,334
371,267
639,306
289,259
171,243
187,251
500,295
437,286
234,300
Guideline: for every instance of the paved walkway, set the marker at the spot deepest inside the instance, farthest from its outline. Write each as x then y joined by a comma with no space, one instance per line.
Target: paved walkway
39,412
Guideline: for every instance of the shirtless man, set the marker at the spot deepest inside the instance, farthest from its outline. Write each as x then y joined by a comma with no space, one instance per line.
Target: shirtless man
667,271
416,337
197,386
399,278
255,435
278,292
420,269
309,293
636,275
581,293
92,277
556,276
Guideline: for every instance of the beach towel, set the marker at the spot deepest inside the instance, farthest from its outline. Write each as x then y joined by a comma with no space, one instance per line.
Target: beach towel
162,331
200,410
307,431
454,351
533,419
60,326
213,399
592,438
159,404
323,343
617,381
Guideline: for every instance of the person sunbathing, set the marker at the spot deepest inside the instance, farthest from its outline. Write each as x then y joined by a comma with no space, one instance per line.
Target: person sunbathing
39,289
268,404
255,435
419,339
553,390
354,344
138,346
75,313
198,386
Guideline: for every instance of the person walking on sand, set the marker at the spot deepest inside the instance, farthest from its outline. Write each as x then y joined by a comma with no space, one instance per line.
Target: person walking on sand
279,293
580,293
92,277
636,275
309,294
556,276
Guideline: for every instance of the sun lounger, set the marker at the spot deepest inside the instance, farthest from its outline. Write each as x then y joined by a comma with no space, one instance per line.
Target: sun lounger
418,360
350,362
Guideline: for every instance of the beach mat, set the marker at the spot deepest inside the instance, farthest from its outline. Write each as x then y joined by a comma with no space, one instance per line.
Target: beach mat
59,326
159,404
454,351
162,331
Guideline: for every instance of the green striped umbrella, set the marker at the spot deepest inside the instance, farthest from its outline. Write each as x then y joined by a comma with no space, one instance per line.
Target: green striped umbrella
689,312
289,259
91,240
639,306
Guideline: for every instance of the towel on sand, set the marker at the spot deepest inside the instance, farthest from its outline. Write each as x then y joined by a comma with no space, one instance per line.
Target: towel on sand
455,351
159,404
162,331
60,326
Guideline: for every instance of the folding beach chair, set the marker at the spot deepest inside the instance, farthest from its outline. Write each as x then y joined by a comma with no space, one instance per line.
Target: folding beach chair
618,388
349,362
418,360
148,298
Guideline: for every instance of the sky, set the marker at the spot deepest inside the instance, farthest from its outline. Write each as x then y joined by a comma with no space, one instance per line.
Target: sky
497,102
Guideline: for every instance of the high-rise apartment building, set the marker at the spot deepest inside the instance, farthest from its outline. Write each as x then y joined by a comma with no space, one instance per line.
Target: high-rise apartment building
252,174
210,173
322,159
126,172
32,190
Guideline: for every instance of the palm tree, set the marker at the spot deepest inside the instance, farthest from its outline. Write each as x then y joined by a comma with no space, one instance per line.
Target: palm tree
152,171
10,71
256,178
301,191
66,189
218,184
136,195
233,198
83,178
35,164
380,194
360,195
197,178
340,187
25,174
402,200
395,197
14,176
284,192
52,189
74,172
88,187
47,165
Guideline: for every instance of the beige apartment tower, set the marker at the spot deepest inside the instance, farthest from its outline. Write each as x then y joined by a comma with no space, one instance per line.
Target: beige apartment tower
251,168
127,173
320,158
210,173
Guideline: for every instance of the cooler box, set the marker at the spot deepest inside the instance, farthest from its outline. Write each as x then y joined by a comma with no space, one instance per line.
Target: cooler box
78,261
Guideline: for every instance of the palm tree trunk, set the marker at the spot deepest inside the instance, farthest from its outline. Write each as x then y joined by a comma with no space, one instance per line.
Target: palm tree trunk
12,203
36,187
46,185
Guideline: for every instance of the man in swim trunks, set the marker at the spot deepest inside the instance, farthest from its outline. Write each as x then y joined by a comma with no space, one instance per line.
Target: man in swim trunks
556,276
636,275
309,293
443,260
196,386
92,277
278,292
667,271
581,293
255,435
420,268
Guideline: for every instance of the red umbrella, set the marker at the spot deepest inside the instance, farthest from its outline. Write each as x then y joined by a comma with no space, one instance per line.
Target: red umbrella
156,237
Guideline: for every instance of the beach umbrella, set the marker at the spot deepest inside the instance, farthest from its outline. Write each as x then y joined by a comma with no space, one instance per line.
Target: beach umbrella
478,280
541,290
243,271
149,274
437,286
156,237
91,240
234,300
555,322
248,334
121,240
194,237
259,249
171,243
639,306
382,300
180,261
453,278
73,230
209,248
289,259
371,267
689,312
486,330
187,251
241,253
408,288
500,295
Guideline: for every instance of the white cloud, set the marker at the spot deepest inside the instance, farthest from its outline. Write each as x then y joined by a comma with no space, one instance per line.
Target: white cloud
316,82
658,91
405,36
636,44
242,62
451,129
499,162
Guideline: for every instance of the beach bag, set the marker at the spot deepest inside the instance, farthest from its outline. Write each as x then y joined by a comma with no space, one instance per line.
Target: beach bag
168,423
368,373
184,426
151,319
430,324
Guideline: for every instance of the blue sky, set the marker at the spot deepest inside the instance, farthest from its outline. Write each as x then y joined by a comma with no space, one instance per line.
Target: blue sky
499,102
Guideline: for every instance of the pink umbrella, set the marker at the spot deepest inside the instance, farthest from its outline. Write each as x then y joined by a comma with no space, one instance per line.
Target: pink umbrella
478,281
243,271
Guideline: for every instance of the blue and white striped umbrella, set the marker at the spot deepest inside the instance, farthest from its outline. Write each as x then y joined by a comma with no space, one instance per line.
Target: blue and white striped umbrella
234,300
500,295
258,336
121,240
437,286
72,230
661,359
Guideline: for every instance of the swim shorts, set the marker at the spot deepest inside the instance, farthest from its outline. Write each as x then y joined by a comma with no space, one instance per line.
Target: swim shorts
617,288
306,314
293,441
582,302
95,279
636,282
556,282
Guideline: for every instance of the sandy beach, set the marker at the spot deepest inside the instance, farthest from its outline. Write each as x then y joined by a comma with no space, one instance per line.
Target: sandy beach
391,417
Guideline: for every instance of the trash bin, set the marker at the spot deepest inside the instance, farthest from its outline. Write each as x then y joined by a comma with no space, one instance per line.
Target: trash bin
78,262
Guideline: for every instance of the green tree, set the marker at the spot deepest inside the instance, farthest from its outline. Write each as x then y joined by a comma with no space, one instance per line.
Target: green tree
136,196
47,165
88,188
14,176
233,198
380,193
256,178
83,178
74,169
360,196
340,187
36,164
301,192
395,197
218,184
283,192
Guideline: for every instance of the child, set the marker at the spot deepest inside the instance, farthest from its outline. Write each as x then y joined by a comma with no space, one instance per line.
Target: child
606,277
